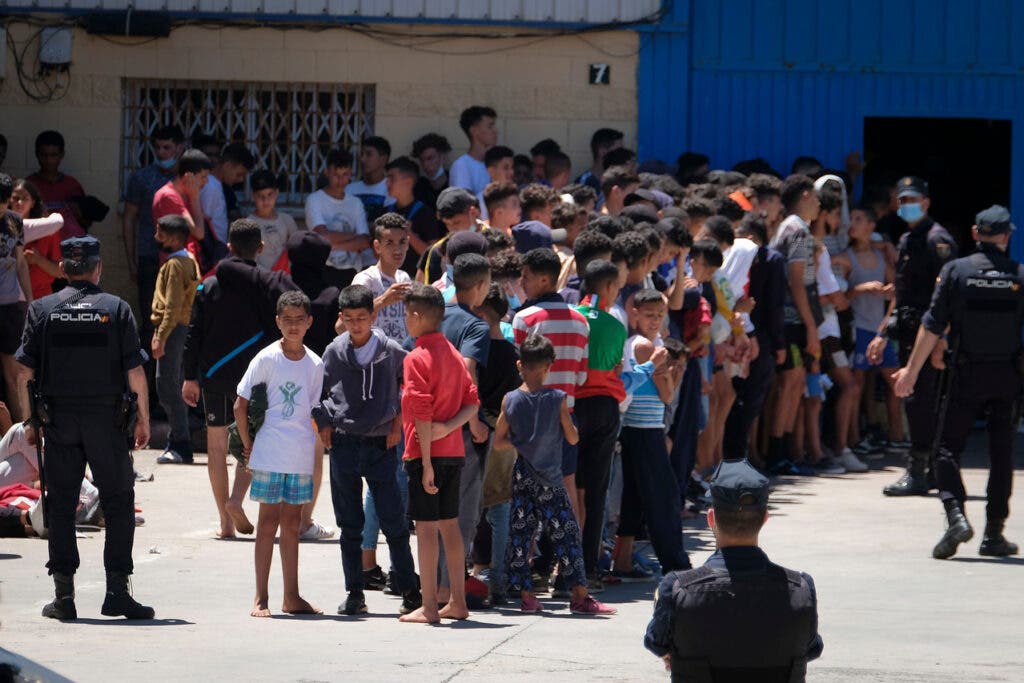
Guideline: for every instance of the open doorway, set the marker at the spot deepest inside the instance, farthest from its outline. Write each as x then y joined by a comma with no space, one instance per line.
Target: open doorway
965,161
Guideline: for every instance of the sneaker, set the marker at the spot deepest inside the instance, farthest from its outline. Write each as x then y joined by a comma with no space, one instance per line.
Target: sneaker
783,467
866,447
828,467
590,606
170,457
411,601
803,469
851,462
374,579
530,604
634,575
897,447
316,532
354,604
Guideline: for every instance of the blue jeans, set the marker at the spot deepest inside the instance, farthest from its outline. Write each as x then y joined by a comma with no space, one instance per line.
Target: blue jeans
371,529
499,516
169,379
352,459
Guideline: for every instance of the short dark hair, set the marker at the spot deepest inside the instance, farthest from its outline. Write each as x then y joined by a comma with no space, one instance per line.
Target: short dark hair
536,197
174,224
867,210
474,115
404,165
263,180
496,154
688,162
495,193
543,261
237,153
338,158
379,144
545,147
729,209
425,299
618,157
618,176
793,188
598,273
430,141
804,165
720,229
698,207
707,250
633,247
200,140
556,162
565,214
740,523
588,246
50,138
536,349
470,270
764,185
647,296
604,137
674,231
193,161
581,194
496,301
753,226
830,199
388,221
506,265
610,226
654,239
245,238
294,297
172,133
497,241
355,297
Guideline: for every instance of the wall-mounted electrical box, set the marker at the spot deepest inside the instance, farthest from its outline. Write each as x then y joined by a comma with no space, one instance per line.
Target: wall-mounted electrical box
55,47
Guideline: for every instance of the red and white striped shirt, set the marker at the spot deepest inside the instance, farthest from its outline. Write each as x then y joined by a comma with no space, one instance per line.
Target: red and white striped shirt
568,332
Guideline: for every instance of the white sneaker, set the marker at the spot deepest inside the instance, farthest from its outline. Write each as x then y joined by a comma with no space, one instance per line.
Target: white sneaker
315,532
851,462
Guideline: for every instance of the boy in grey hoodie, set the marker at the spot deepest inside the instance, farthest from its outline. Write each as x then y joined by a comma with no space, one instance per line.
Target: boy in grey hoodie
361,423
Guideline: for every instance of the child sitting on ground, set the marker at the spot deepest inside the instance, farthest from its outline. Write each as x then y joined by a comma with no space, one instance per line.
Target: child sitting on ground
281,458
535,420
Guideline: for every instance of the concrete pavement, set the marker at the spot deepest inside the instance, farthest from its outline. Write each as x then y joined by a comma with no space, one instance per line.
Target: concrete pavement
887,610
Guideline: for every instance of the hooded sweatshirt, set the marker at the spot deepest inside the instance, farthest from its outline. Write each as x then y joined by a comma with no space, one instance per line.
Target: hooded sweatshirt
233,317
308,252
361,399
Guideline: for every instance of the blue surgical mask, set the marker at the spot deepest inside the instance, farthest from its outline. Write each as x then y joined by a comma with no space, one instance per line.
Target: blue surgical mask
911,213
450,269
166,164
513,302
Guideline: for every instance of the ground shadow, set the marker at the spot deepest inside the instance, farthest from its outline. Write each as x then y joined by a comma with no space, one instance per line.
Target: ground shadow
114,621
9,556
989,560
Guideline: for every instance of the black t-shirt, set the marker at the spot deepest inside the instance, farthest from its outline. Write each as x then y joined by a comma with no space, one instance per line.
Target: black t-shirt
425,192
424,225
497,378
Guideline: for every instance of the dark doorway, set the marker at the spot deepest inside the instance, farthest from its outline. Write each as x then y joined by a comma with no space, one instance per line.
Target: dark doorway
965,161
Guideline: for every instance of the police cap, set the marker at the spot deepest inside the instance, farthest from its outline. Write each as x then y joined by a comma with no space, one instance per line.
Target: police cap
912,186
995,220
737,485
79,254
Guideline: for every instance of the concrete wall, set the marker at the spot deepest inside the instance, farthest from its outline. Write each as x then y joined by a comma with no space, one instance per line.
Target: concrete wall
538,87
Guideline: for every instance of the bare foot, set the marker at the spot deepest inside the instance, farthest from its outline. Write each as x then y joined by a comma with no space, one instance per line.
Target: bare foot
451,612
299,606
260,608
226,534
237,515
421,616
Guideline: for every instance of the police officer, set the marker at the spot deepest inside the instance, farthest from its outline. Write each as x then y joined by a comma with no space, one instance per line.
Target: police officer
738,617
980,299
81,346
922,252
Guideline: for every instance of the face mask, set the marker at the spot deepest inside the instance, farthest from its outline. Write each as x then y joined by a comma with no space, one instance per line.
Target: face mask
513,302
450,269
166,164
911,213
440,172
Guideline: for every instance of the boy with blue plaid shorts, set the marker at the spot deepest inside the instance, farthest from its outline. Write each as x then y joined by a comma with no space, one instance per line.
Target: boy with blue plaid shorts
281,458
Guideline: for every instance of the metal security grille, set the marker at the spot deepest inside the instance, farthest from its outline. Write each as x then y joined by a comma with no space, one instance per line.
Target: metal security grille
289,127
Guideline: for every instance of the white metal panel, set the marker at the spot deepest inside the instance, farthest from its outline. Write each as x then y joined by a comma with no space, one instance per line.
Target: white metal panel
469,9
510,10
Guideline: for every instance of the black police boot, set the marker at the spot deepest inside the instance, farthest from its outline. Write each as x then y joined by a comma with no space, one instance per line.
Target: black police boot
958,531
993,543
119,601
63,605
913,482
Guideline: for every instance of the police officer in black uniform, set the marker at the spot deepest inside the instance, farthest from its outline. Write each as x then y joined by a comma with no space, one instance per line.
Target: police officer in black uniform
81,346
980,300
921,254
738,617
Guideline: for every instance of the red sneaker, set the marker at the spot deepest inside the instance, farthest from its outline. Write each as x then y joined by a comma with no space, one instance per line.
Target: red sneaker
530,604
591,606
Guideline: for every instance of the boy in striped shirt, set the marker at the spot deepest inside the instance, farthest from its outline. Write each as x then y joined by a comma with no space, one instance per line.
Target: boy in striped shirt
546,313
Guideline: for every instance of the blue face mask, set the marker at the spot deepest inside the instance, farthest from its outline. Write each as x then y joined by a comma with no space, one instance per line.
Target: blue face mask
513,302
911,213
450,269
166,164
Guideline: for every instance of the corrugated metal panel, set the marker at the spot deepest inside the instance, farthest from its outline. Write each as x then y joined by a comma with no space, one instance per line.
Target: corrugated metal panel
500,11
979,36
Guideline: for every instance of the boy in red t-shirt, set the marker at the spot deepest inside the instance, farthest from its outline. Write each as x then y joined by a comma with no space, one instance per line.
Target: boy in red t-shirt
180,197
57,189
439,397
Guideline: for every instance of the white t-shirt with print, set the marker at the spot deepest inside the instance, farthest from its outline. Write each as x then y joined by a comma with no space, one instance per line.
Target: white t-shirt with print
339,215
286,440
390,319
276,232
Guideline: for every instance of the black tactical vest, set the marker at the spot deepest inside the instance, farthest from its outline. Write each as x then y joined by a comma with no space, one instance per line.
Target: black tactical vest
741,626
989,309
82,346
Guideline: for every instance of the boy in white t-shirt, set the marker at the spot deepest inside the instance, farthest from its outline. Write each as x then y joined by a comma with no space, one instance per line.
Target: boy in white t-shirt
281,459
340,217
276,227
386,280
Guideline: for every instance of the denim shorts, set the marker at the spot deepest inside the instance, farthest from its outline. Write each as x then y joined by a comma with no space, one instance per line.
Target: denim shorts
278,487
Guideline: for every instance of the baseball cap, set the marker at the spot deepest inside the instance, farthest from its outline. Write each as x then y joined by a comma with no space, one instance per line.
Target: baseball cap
464,242
455,200
912,186
535,235
995,220
737,485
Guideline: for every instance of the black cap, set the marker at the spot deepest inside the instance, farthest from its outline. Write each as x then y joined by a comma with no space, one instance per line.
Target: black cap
912,186
995,220
465,242
737,485
455,200
80,248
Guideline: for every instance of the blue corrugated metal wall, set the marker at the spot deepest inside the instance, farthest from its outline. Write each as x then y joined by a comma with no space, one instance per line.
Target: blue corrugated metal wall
737,79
